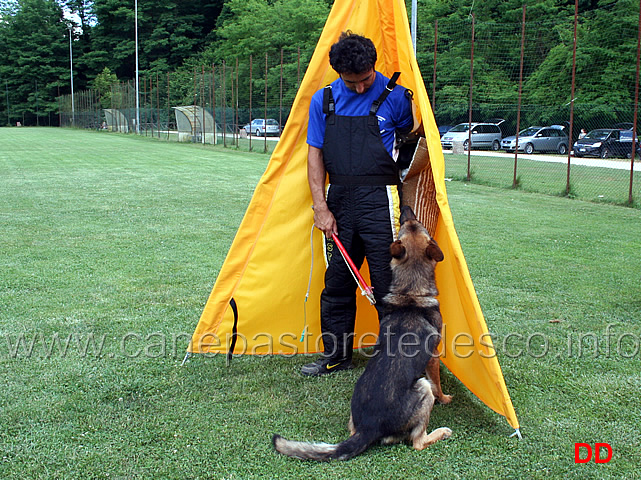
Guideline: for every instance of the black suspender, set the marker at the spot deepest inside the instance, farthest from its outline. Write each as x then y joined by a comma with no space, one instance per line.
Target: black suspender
329,104
388,89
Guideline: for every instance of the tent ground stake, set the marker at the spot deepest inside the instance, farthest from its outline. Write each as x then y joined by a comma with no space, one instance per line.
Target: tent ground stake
187,355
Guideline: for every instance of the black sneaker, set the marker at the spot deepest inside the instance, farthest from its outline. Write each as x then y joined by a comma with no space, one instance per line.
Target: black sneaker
323,366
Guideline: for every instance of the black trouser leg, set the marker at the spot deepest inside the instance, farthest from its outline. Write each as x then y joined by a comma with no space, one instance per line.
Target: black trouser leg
338,303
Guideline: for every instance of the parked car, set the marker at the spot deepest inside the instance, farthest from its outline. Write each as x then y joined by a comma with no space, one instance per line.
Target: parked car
625,140
539,139
486,135
443,129
606,142
257,127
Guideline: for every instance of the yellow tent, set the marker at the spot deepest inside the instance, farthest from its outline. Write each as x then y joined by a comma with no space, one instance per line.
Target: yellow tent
259,303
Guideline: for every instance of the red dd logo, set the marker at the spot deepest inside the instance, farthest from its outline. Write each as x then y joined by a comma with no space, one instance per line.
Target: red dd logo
583,452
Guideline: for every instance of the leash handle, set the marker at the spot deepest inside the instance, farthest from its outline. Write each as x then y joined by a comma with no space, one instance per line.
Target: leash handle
365,288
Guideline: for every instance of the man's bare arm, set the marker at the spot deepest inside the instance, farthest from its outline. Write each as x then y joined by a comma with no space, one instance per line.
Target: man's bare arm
323,218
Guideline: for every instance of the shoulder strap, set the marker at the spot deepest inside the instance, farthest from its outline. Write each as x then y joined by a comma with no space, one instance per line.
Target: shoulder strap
328,100
328,104
388,89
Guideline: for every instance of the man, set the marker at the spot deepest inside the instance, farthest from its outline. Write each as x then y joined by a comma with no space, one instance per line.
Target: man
351,134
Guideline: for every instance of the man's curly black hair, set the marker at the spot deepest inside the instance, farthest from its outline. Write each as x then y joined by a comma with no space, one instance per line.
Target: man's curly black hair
352,54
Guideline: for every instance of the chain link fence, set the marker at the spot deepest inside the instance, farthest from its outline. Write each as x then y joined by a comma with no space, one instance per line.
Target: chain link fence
225,104
526,74
534,74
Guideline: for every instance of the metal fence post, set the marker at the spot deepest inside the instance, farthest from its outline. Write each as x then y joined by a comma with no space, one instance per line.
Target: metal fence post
224,103
265,116
213,98
434,69
194,103
251,66
203,103
518,108
6,86
236,125
298,68
576,15
636,110
280,94
168,106
469,129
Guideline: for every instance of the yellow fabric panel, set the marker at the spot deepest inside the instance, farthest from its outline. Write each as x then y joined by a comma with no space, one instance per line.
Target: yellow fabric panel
267,269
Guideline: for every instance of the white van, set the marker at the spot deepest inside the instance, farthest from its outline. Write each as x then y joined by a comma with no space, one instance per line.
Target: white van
484,135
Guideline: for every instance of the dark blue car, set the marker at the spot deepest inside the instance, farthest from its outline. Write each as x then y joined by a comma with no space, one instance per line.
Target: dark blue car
606,142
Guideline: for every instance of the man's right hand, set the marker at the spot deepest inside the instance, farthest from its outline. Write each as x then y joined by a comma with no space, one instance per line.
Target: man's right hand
324,220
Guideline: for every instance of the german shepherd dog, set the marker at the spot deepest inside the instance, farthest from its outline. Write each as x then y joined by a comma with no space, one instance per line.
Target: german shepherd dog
392,399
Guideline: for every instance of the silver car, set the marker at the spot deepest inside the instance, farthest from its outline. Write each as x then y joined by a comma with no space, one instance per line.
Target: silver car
539,139
257,127
484,135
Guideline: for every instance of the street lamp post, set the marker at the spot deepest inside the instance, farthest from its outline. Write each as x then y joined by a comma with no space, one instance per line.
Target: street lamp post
137,81
73,109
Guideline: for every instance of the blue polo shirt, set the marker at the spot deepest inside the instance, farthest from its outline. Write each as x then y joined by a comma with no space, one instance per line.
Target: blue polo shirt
395,112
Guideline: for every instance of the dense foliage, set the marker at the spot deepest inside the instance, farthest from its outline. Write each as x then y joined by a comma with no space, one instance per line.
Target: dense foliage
177,36
35,61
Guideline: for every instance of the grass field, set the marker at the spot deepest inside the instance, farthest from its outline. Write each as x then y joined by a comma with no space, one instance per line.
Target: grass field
110,246
232,141
595,184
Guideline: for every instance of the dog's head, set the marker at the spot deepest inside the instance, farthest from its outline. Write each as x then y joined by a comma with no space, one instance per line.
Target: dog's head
414,242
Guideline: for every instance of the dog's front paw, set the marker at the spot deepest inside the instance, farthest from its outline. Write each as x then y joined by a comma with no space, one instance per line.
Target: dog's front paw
444,432
444,399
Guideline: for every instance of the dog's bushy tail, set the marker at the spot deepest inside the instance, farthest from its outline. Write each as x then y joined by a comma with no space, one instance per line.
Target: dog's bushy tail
354,445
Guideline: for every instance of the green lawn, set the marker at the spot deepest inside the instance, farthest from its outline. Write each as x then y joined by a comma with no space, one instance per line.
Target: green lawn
595,184
110,246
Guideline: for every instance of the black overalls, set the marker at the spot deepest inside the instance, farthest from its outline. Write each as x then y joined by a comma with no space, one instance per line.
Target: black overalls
364,197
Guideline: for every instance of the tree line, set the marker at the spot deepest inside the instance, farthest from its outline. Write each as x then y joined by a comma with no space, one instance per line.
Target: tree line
175,37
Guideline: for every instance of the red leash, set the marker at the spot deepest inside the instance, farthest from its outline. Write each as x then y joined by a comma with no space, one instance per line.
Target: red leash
366,290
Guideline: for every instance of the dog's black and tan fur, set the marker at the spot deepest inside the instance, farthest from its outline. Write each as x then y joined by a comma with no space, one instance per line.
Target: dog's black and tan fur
392,400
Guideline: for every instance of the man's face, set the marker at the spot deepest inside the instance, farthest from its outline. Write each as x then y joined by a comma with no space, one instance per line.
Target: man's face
359,82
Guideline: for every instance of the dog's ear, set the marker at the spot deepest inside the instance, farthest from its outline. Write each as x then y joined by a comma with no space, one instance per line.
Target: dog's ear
397,249
434,252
